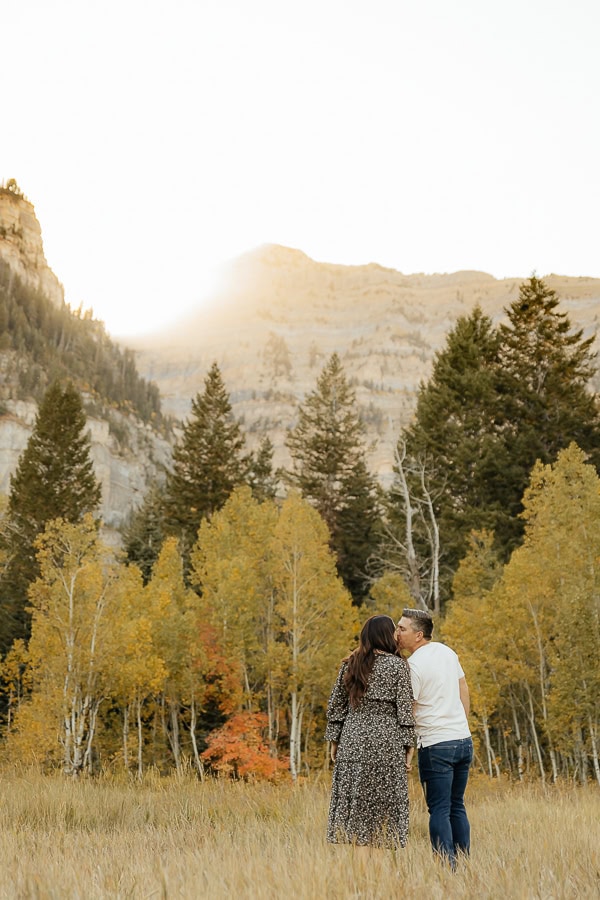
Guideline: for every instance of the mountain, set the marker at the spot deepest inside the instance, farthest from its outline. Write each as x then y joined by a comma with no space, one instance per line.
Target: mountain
278,316
41,339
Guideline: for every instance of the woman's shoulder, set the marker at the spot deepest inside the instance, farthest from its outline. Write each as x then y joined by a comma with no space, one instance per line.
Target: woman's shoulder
391,660
393,666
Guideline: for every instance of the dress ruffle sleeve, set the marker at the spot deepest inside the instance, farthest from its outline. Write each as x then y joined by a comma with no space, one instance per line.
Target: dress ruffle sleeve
404,705
337,708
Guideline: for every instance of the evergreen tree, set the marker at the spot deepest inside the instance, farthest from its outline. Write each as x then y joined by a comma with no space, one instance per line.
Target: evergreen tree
207,461
545,370
54,479
261,477
497,401
330,469
146,531
455,436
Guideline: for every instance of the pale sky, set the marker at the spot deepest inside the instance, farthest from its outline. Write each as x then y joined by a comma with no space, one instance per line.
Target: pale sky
158,139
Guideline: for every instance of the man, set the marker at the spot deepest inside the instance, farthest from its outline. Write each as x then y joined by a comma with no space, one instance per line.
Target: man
445,747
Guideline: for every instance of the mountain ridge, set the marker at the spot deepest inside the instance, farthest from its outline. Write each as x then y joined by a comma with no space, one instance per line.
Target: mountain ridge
280,314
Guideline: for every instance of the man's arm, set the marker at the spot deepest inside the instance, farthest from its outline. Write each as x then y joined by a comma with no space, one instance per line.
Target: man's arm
464,695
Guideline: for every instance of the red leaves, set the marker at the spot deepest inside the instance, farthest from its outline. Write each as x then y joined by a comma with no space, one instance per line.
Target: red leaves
239,749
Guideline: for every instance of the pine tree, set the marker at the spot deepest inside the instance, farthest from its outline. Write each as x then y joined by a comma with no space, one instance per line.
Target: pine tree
330,470
454,435
261,477
545,371
146,531
207,461
54,479
497,401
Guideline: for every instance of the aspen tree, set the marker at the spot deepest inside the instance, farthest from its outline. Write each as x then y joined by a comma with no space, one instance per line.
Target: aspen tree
317,620
73,612
231,566
139,671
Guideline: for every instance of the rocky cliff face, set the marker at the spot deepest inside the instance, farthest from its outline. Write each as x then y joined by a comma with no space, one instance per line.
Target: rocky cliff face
127,454
123,472
21,244
279,315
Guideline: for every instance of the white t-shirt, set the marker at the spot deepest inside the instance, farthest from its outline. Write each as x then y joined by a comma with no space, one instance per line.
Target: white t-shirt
439,714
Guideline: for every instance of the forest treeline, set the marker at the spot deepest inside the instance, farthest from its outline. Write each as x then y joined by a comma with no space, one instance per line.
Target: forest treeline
213,639
41,342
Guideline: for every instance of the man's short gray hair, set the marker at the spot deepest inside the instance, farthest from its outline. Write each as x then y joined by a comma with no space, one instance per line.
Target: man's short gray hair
420,621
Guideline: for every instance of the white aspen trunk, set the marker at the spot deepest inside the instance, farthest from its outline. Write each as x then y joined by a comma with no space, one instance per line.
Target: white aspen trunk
299,740
197,759
175,744
593,738
91,733
140,739
518,740
435,546
583,758
247,689
414,579
542,677
295,710
83,732
293,735
126,737
535,735
553,763
488,745
270,700
79,689
68,718
270,716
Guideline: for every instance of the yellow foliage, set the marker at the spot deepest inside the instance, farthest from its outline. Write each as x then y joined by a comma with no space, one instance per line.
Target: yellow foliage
391,595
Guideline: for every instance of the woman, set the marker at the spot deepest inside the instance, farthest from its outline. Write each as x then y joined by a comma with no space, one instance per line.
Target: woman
370,726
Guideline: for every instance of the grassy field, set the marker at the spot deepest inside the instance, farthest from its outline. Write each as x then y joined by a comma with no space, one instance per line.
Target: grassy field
175,837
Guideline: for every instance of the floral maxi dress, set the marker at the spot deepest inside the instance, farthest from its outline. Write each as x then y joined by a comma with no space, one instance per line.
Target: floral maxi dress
369,792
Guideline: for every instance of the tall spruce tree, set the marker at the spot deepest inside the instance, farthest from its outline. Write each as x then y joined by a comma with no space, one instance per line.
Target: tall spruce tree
146,531
545,368
497,400
54,478
330,469
207,461
454,435
261,477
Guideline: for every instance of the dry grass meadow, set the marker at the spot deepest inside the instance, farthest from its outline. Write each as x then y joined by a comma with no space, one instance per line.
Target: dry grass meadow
178,838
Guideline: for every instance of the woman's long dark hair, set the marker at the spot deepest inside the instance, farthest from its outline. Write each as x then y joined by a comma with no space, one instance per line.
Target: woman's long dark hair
377,634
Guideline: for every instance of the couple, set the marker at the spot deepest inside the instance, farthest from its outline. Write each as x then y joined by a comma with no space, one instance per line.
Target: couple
371,728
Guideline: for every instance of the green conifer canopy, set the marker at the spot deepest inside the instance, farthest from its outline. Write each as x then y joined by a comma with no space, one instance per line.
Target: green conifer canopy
330,469
499,399
54,479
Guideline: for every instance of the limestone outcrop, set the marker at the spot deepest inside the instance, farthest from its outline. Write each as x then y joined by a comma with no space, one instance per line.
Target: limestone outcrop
21,244
279,315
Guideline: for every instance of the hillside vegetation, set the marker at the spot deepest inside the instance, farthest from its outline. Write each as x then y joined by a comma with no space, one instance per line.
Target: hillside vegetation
41,342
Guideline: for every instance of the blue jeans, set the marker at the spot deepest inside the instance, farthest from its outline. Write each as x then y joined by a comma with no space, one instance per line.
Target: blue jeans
444,770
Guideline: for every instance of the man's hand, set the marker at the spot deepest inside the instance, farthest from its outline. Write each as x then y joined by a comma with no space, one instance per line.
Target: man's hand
410,752
333,750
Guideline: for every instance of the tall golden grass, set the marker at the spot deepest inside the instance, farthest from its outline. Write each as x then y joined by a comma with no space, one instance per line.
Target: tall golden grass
175,837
